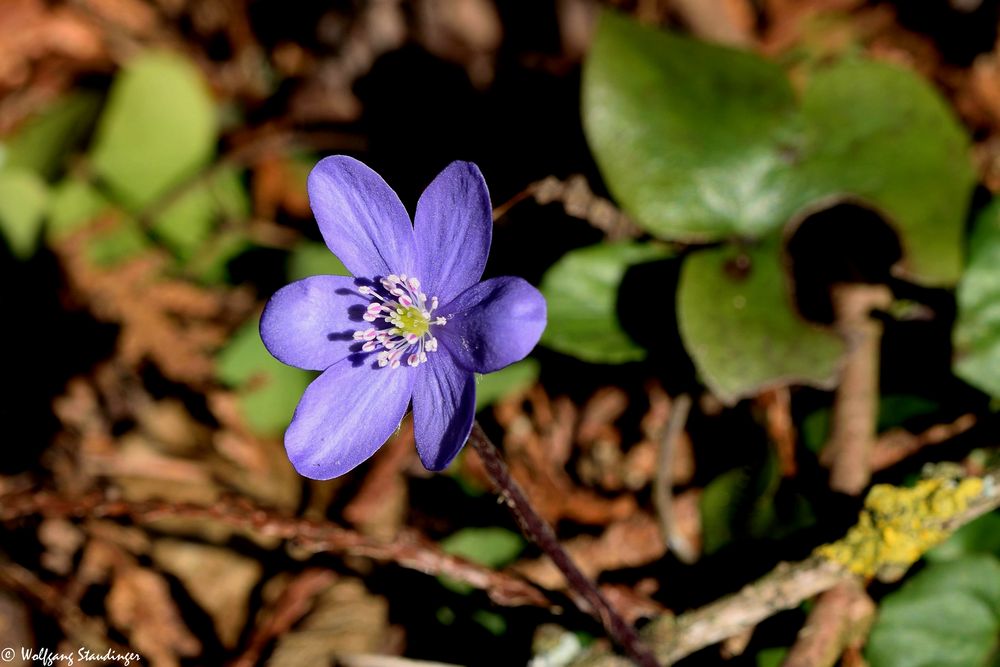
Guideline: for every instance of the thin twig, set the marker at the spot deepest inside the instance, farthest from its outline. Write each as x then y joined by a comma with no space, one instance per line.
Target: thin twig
897,444
841,617
855,406
536,528
663,489
577,200
409,549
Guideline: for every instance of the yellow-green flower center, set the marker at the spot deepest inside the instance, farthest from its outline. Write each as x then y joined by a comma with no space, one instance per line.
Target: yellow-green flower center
407,310
411,320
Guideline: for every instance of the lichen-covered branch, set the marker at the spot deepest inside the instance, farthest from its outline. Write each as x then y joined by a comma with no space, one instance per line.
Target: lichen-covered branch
896,527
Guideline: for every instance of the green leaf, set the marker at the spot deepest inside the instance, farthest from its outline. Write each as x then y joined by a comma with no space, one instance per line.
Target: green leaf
493,622
42,143
490,546
882,134
518,377
210,264
981,536
269,390
689,137
582,293
700,143
948,615
158,128
721,505
309,258
976,336
74,203
724,290
24,198
126,240
188,222
772,657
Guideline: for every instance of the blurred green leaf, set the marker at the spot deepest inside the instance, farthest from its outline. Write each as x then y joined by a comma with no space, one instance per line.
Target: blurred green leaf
976,336
981,536
158,128
210,264
948,615
700,143
490,546
125,240
721,503
309,258
493,622
492,387
727,290
24,198
771,657
582,294
188,222
74,203
897,409
43,142
269,390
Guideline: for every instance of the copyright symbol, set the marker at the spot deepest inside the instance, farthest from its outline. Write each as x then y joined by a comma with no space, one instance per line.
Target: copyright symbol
7,654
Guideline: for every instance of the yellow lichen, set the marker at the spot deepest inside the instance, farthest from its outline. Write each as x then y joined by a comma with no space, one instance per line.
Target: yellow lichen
898,525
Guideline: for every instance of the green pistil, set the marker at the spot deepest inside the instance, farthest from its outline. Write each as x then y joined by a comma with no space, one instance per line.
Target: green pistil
411,320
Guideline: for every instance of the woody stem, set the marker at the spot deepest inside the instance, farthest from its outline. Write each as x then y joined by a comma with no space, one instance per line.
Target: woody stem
539,531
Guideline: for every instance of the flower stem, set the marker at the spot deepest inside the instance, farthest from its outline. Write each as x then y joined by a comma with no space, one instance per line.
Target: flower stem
539,531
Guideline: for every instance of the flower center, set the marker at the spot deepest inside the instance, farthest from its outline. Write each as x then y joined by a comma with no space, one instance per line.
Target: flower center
403,317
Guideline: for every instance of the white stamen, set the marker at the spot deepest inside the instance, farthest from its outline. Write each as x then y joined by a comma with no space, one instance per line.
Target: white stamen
399,305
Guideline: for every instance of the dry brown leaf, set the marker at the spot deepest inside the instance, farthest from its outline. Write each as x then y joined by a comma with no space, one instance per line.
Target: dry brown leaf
30,30
632,603
170,426
135,16
139,604
218,579
378,27
465,32
730,22
537,448
61,539
628,543
277,185
257,467
380,505
287,599
173,323
345,619
15,626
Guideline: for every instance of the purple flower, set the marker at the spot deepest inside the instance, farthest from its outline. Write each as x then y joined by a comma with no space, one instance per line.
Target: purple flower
413,323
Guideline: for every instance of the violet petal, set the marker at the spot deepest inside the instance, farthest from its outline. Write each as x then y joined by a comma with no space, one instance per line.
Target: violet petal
362,220
493,324
444,406
309,323
345,415
453,225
